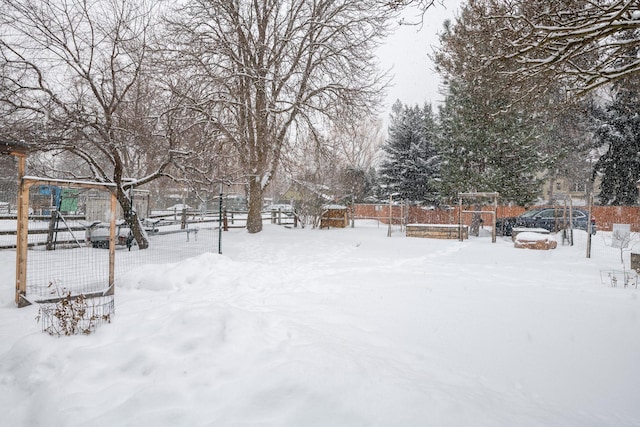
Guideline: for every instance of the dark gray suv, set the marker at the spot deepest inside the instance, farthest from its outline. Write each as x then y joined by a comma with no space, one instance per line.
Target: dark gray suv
552,219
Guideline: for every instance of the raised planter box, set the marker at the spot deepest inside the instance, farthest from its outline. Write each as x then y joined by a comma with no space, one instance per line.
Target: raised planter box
533,240
518,230
437,231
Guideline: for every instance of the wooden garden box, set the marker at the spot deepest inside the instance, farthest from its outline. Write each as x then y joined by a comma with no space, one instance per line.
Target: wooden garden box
437,231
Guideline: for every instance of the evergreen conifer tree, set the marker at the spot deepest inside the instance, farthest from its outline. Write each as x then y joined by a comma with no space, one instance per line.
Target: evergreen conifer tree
619,132
411,167
489,138
486,150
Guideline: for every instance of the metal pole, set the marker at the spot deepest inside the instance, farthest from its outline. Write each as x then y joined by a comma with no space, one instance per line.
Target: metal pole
495,215
589,227
390,215
220,222
461,236
571,220
353,207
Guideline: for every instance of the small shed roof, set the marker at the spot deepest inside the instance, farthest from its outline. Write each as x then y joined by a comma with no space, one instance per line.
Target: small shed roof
15,148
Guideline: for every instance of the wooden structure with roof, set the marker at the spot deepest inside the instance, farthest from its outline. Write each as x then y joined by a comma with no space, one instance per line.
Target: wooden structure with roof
334,216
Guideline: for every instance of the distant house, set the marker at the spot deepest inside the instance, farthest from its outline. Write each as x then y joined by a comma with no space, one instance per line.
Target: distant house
559,188
303,192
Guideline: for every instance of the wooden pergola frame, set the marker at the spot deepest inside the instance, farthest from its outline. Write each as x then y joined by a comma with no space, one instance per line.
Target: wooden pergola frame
477,195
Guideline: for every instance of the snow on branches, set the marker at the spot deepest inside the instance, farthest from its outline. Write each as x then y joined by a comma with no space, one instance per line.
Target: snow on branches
587,43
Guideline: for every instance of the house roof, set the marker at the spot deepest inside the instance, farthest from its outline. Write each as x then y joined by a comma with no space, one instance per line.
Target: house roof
319,190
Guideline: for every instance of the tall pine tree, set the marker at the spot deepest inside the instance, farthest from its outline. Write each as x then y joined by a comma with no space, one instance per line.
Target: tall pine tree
411,167
486,150
619,133
489,139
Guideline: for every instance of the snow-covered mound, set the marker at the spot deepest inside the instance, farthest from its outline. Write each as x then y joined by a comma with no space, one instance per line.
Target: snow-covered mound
336,327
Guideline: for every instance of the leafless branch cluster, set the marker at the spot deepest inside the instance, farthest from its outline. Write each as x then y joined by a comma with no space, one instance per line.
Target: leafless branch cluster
587,43
76,84
200,91
420,4
268,73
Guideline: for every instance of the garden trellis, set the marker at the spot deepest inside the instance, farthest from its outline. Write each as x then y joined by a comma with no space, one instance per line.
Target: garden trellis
493,196
52,235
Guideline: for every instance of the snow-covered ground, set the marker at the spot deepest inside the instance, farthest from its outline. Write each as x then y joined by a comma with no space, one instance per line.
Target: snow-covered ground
293,327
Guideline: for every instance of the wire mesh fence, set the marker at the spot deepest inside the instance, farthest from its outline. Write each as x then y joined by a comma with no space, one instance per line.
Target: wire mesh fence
69,241
67,222
59,260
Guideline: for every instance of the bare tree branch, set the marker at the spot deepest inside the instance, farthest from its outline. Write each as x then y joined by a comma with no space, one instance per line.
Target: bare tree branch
274,68
76,79
587,43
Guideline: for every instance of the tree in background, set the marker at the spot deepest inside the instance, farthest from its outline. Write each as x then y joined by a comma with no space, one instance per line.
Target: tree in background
273,72
569,145
336,169
76,80
619,134
489,140
355,143
411,165
585,43
485,152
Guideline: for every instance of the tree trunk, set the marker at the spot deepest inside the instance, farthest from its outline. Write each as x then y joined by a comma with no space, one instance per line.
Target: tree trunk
254,216
132,219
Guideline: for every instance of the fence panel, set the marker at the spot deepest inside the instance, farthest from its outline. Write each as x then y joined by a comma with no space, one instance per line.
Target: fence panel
605,216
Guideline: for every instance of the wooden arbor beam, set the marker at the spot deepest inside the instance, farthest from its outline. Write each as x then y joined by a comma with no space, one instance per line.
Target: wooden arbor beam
476,195
20,150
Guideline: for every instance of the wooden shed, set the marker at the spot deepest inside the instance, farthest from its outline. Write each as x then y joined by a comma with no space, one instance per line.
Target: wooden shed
336,216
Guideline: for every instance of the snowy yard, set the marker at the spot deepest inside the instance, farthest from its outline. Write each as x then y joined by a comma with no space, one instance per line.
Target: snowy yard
299,327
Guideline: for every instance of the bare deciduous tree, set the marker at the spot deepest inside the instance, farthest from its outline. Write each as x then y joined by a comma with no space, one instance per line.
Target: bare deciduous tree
276,70
420,4
75,78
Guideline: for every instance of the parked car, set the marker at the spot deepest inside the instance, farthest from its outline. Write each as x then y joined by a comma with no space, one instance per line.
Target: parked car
97,234
178,207
285,208
550,218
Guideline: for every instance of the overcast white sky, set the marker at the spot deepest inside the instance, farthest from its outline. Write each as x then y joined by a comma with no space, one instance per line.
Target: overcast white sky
407,53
